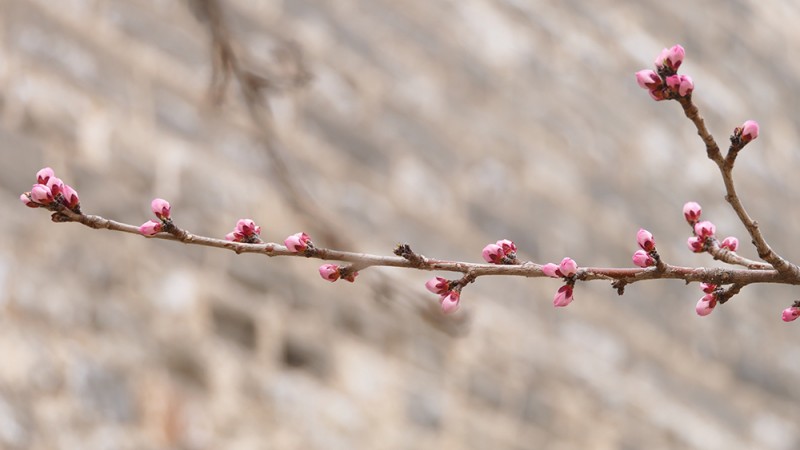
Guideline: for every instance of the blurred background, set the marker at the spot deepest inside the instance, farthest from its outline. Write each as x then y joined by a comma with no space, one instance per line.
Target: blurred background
446,125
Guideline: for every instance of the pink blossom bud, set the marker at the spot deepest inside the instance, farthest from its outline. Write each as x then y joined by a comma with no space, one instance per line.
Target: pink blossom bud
297,242
329,272
44,175
704,229
645,240
695,244
27,200
438,285
680,84
730,242
568,267
160,208
675,56
691,211
706,304
71,197
672,58
563,296
150,228
791,313
56,185
41,194
551,270
708,288
648,79
749,131
247,227
450,302
509,248
493,253
642,259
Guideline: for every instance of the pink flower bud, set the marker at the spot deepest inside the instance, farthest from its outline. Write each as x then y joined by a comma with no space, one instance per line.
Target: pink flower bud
706,304
648,79
41,194
297,242
568,267
691,211
493,253
708,288
27,200
150,228
329,272
672,58
791,313
438,285
71,197
56,185
642,259
450,302
160,208
680,84
509,248
247,227
563,296
730,242
695,244
645,240
551,270
704,229
44,175
749,131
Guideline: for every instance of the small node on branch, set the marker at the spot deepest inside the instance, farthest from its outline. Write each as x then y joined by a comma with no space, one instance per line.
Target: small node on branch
404,251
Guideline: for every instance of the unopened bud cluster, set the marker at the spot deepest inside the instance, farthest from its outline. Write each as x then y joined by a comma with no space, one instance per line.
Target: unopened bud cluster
707,303
162,210
647,255
566,270
502,252
51,193
704,232
246,231
449,293
664,83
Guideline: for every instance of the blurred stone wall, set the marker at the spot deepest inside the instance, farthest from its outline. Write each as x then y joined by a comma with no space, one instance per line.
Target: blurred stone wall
444,124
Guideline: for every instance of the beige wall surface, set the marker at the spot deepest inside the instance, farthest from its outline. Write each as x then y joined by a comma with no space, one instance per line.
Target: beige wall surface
445,124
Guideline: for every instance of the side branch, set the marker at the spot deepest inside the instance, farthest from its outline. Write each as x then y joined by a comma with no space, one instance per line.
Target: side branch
725,166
